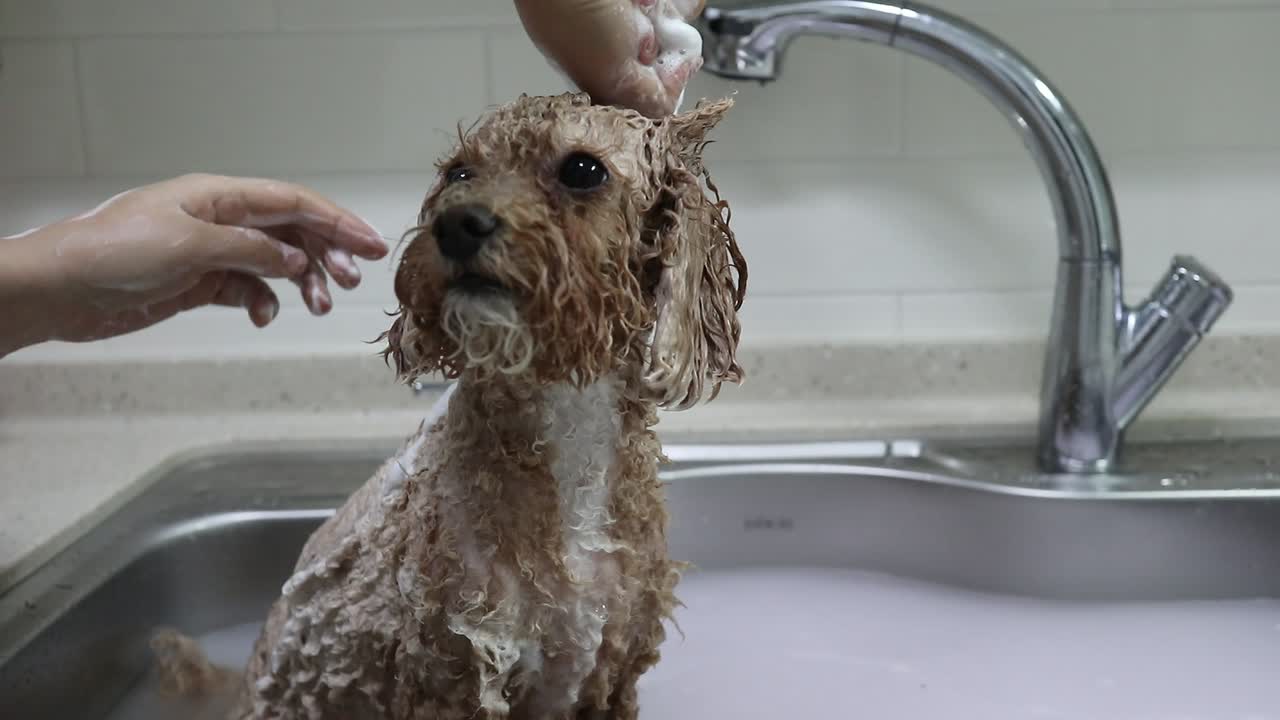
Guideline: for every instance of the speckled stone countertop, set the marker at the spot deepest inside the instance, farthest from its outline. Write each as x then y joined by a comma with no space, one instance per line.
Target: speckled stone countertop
77,441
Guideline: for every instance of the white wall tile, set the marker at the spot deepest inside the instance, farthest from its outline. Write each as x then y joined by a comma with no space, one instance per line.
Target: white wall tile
976,315
517,67
388,201
945,115
771,320
1256,309
102,17
963,7
996,315
1219,207
876,197
891,226
291,103
40,131
29,203
391,14
214,333
835,98
1196,4
1214,81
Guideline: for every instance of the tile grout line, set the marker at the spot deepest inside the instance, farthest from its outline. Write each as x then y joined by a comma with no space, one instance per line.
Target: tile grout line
490,69
82,107
900,316
739,164
901,120
436,26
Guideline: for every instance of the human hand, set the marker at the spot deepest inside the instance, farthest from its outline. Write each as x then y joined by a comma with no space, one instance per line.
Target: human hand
150,253
634,53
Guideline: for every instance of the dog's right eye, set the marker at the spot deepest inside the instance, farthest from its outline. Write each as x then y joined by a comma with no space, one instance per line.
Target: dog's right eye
580,171
458,173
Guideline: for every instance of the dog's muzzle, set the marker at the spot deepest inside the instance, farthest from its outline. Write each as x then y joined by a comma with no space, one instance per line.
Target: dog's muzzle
462,230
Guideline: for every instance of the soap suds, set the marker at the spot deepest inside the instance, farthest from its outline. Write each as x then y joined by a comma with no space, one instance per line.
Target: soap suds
582,428
405,464
680,48
677,39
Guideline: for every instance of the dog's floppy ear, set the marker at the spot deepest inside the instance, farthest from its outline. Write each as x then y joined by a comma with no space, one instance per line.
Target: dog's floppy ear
701,275
409,350
403,347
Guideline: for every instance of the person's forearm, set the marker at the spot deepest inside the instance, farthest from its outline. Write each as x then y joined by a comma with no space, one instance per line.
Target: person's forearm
29,295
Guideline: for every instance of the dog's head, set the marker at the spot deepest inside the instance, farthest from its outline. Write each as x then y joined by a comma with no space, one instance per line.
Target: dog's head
564,241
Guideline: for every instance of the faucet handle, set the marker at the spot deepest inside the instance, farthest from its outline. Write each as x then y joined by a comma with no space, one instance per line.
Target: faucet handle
1161,332
1193,294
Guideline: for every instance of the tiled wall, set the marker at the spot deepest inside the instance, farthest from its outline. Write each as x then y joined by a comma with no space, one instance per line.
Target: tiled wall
877,197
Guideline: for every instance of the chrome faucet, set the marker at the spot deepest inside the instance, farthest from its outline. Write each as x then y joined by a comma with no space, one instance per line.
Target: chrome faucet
1104,360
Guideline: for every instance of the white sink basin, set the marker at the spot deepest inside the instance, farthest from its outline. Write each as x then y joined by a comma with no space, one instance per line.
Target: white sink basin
827,643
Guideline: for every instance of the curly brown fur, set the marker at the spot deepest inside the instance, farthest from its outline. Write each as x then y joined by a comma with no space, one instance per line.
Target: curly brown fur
596,274
183,668
511,560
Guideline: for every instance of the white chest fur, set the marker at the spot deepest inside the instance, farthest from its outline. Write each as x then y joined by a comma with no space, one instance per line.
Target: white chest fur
581,428
579,432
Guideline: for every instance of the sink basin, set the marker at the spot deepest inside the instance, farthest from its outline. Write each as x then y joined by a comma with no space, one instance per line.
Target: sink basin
872,579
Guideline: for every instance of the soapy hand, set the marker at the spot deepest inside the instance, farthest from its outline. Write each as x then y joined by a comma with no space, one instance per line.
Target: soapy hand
150,253
634,53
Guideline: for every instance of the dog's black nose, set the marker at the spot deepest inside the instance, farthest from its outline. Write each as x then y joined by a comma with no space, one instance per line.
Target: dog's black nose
462,230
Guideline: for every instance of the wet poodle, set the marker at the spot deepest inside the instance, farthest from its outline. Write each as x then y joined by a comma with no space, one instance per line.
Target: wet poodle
574,270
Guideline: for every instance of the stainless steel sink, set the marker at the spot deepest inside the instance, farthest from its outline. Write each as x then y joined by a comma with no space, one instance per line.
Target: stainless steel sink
209,542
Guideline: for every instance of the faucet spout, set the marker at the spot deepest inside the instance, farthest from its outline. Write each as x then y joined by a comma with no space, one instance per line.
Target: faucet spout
1104,361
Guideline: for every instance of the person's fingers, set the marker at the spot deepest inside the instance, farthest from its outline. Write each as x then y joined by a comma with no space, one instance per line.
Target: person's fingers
653,92
671,52
589,40
228,289
252,294
199,294
635,53
257,203
336,261
247,250
315,289
342,268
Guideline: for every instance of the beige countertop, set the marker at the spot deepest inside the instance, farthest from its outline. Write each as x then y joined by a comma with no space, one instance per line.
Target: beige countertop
77,441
